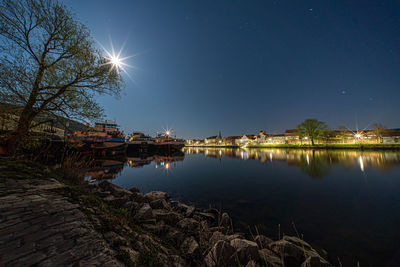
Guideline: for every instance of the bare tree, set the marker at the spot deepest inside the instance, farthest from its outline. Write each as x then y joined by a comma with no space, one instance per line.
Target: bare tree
49,64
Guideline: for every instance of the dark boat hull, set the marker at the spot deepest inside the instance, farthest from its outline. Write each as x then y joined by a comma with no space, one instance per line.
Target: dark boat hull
144,147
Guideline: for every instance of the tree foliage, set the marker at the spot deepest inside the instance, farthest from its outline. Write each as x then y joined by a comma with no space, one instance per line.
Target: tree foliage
49,63
378,130
312,128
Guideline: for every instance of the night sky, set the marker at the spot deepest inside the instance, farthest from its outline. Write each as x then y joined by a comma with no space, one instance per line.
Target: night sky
238,67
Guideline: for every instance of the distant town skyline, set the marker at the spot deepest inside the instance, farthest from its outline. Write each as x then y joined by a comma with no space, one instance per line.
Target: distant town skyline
241,67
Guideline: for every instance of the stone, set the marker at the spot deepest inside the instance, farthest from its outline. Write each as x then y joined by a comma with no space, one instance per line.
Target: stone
221,254
151,227
31,259
297,241
173,204
169,217
234,236
149,240
190,247
296,251
131,205
130,255
217,236
225,220
134,190
292,254
156,195
188,224
102,194
263,241
177,261
315,261
270,258
114,239
109,198
114,189
252,263
138,197
246,250
210,217
185,209
144,213
189,211
212,211
217,229
174,235
159,204
120,201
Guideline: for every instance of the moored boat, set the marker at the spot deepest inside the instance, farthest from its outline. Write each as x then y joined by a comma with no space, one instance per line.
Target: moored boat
144,143
138,141
166,141
103,136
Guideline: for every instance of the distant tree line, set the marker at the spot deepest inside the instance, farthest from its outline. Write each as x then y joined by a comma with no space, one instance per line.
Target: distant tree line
315,129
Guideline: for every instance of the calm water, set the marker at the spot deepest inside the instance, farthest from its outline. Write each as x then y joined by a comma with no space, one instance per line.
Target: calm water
347,202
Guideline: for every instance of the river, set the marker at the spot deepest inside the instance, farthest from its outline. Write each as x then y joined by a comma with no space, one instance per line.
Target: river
346,202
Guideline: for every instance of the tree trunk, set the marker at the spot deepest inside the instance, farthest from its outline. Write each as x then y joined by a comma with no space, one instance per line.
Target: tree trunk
12,143
312,141
27,115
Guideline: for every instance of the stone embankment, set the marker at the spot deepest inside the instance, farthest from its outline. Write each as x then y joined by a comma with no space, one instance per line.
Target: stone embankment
40,226
45,222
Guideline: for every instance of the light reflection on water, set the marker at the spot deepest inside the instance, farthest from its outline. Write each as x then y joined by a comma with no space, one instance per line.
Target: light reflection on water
344,201
312,162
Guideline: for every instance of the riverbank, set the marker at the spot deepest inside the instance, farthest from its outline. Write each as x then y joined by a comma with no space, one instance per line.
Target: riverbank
208,146
373,146
47,219
388,146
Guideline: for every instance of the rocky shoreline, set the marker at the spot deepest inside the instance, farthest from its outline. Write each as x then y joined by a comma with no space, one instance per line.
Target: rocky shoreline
188,236
136,229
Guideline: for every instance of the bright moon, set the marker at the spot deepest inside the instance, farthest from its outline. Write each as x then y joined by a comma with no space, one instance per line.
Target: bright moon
115,60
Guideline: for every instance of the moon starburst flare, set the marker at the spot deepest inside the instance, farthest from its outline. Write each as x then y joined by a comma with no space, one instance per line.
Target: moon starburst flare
115,60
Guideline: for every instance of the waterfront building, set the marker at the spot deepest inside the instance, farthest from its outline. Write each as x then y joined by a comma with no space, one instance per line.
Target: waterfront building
277,139
246,139
391,136
292,136
262,138
43,124
213,140
231,140
194,142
